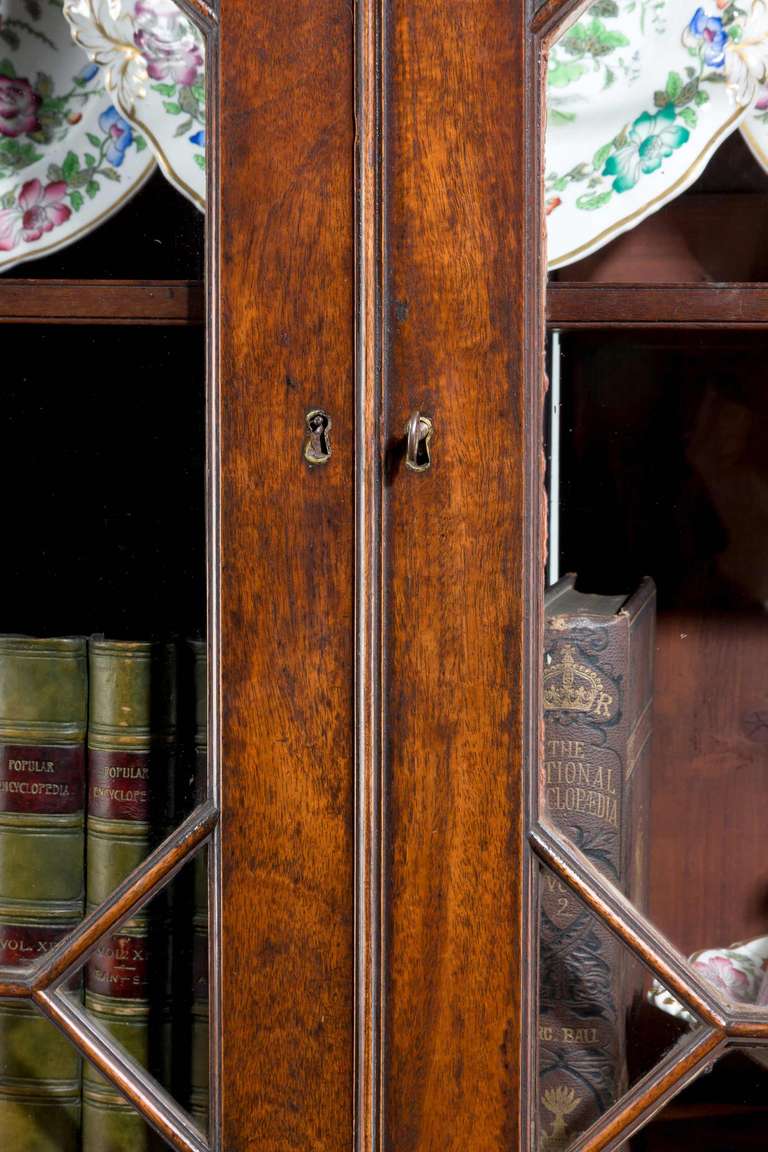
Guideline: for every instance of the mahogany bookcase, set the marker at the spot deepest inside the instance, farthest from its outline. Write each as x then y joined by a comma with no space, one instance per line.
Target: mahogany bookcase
375,250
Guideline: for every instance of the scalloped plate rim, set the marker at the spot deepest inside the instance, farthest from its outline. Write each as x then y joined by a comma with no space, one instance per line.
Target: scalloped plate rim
115,196
168,168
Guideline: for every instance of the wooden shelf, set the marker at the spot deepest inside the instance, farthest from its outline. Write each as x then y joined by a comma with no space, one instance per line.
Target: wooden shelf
29,301
722,306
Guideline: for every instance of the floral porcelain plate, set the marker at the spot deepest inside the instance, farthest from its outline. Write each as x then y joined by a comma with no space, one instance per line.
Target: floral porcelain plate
68,159
640,93
153,60
736,972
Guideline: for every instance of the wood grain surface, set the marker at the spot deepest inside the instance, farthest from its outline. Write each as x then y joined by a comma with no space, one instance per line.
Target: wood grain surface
287,137
453,577
717,306
31,301
707,837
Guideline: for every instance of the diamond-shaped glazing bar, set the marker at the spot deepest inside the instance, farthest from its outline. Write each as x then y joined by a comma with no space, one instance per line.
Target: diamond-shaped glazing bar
666,963
134,891
137,888
650,1094
148,1097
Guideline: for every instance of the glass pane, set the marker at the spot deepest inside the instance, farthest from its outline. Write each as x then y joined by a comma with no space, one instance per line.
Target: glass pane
103,596
599,1033
725,1108
40,1082
656,752
146,985
655,705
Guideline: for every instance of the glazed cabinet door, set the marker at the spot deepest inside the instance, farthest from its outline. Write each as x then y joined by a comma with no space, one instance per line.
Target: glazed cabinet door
560,555
177,648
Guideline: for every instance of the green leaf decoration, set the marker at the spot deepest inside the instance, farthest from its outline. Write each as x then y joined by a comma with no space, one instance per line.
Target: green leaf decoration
188,103
93,140
199,160
611,40
687,93
54,173
110,174
92,188
184,127
590,202
564,72
575,41
689,117
171,107
16,154
90,160
555,116
8,200
7,68
164,89
701,97
140,143
592,39
76,200
71,166
602,154
604,8
674,86
80,179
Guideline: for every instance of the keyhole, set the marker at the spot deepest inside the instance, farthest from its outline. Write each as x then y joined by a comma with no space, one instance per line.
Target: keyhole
317,449
418,433
422,450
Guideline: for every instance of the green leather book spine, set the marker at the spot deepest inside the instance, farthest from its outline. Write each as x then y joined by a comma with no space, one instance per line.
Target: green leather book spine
43,707
131,751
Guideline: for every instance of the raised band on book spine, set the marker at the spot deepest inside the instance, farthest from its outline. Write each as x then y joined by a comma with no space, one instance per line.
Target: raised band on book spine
131,750
43,707
598,691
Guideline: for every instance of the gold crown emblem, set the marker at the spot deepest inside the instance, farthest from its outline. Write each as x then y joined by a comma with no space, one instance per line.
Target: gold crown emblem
571,686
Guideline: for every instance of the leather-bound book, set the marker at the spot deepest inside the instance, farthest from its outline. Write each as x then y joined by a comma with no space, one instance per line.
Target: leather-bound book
190,897
594,783
199,1073
131,754
43,708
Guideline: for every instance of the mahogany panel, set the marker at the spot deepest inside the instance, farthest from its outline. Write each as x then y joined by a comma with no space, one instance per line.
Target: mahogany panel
34,301
454,563
708,885
582,305
286,577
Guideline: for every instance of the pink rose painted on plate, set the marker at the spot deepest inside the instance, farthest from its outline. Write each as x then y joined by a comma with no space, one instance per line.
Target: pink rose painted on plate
38,210
166,43
726,975
18,106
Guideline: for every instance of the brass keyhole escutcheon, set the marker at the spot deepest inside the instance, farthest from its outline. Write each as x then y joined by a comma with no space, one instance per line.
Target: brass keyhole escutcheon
419,432
317,449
